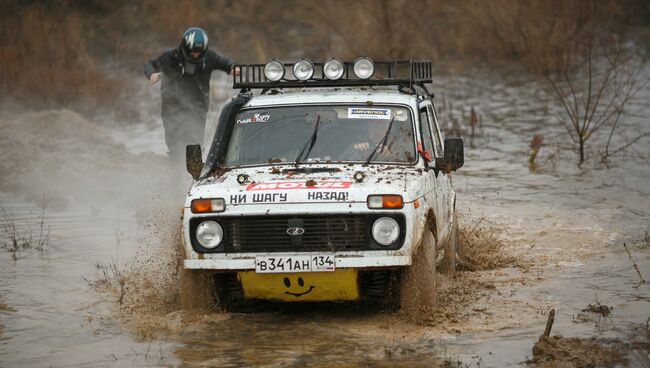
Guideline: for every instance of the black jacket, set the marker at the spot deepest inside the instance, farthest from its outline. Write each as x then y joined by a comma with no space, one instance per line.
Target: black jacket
186,86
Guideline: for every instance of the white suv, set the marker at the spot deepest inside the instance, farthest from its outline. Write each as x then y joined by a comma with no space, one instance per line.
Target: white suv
329,185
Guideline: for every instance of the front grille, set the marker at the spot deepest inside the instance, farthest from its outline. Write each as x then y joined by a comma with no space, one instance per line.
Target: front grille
321,233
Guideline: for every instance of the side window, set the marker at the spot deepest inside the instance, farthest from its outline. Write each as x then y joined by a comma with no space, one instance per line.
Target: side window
426,132
437,140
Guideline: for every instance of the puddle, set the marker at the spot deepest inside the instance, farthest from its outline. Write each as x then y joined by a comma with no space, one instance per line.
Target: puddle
109,201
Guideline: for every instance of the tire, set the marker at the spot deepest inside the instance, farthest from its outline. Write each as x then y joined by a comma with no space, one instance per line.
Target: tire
197,290
380,290
229,292
418,284
448,262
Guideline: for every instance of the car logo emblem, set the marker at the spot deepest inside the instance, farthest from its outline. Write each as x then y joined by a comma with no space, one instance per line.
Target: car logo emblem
295,231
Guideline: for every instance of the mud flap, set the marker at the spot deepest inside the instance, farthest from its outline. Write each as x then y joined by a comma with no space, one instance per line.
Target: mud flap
340,285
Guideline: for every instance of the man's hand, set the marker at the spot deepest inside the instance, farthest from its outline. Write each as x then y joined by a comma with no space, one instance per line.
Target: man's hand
235,71
154,78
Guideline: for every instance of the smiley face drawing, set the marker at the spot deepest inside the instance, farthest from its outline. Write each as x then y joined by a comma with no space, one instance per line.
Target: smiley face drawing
339,285
301,282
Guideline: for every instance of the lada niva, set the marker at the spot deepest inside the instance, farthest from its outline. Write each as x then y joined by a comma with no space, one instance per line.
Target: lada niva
331,184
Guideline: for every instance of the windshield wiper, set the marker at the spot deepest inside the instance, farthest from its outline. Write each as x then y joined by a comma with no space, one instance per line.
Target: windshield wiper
381,143
310,142
310,170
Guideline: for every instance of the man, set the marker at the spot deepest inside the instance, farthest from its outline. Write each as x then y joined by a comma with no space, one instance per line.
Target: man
185,72
394,149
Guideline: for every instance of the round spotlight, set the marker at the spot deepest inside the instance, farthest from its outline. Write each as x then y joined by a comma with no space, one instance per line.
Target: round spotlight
242,178
209,234
333,69
303,69
364,68
385,231
274,70
359,176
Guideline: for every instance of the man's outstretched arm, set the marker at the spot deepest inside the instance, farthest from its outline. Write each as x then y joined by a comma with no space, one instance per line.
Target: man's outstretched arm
221,62
154,67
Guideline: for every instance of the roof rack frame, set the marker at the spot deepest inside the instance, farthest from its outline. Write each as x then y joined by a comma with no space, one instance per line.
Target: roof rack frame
403,73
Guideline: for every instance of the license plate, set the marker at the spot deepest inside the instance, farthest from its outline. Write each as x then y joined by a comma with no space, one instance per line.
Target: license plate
299,263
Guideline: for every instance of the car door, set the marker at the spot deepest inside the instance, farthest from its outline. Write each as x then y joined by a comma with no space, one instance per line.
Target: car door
435,196
443,180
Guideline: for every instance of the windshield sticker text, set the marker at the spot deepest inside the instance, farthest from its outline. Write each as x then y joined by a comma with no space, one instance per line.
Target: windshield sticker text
366,113
288,185
256,118
327,196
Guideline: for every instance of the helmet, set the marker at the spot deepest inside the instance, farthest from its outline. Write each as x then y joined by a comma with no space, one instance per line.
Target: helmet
195,40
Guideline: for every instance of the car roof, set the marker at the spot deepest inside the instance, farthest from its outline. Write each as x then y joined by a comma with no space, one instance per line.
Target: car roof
333,95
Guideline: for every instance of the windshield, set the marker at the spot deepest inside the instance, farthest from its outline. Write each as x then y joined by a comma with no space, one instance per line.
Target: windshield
310,134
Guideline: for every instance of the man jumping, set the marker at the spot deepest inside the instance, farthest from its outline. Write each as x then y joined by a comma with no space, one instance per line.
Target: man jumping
185,90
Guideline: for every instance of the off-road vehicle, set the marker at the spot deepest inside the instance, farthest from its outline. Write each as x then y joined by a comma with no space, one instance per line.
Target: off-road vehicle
329,183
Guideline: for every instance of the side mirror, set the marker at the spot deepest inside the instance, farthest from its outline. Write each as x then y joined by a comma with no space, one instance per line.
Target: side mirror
193,160
454,157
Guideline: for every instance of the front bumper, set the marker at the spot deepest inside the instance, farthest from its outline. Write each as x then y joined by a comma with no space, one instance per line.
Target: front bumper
247,262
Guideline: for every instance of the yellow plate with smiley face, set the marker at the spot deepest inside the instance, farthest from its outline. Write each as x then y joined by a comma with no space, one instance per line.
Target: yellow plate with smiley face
339,285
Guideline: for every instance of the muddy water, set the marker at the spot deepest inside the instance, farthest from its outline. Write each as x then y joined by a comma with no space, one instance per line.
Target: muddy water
110,200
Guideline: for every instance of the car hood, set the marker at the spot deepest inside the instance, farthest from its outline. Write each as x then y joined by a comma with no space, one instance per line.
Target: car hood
265,185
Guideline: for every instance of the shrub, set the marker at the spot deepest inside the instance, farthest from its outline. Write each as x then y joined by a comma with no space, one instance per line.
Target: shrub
45,60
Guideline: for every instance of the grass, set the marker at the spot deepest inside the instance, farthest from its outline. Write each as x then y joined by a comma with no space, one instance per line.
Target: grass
81,54
88,56
46,59
109,278
17,241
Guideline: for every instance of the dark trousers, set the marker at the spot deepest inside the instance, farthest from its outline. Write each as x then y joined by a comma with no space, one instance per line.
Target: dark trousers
183,127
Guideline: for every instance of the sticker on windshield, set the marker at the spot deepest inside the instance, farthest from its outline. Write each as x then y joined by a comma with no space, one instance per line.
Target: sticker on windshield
256,118
366,113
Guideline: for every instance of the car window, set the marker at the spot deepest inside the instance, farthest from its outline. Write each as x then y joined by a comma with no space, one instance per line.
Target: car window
345,133
426,132
437,140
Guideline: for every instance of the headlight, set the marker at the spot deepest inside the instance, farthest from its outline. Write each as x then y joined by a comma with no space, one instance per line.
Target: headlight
303,69
333,69
209,234
274,70
385,231
364,68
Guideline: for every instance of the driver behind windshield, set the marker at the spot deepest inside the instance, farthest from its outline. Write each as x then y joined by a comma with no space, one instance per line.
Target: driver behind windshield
385,151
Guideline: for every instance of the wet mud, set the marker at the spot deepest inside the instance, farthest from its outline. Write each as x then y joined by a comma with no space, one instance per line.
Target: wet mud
558,351
110,290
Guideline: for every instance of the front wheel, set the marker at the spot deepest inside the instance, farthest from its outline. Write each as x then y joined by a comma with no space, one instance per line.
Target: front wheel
197,290
450,250
418,292
380,290
229,292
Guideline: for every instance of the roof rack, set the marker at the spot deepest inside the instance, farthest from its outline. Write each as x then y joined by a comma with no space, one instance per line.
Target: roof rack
402,73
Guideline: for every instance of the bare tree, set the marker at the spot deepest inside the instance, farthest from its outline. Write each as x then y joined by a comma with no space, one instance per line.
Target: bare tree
598,81
594,78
